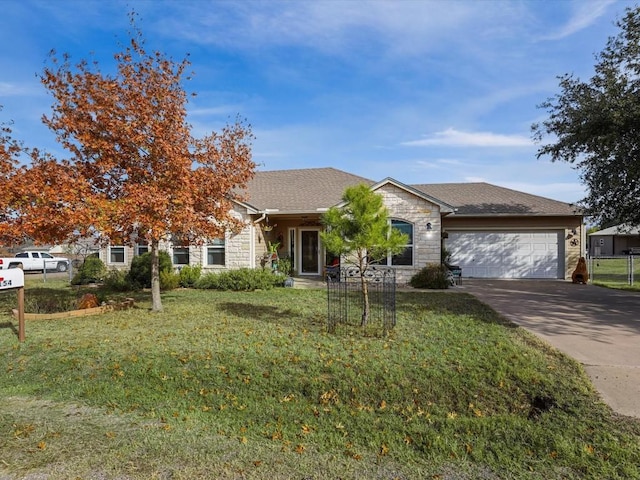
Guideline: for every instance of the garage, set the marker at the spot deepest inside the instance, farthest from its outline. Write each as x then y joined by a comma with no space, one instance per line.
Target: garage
507,254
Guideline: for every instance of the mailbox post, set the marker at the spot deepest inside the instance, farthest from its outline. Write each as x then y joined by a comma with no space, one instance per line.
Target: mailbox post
13,279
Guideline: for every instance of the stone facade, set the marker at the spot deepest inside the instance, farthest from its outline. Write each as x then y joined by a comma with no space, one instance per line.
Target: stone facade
406,206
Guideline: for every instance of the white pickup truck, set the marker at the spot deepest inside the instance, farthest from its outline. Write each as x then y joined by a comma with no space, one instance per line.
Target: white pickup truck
32,261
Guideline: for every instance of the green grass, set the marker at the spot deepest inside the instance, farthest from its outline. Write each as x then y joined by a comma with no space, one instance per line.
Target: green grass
614,273
249,385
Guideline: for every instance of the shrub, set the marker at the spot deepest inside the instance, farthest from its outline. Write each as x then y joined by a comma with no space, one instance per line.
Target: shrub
434,275
92,270
243,279
285,266
169,280
139,275
189,275
117,281
49,303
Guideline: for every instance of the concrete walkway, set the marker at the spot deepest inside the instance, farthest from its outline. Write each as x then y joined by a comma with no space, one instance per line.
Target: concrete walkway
598,327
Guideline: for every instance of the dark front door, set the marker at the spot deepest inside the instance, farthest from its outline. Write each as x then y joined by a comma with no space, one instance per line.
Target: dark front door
310,254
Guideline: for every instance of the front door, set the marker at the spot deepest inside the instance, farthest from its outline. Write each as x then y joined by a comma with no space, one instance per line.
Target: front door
310,252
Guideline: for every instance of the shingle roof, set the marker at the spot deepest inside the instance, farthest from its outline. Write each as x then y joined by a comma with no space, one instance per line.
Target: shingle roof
311,189
623,229
486,199
300,190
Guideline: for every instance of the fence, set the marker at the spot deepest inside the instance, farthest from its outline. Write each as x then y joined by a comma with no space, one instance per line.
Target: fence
623,270
345,300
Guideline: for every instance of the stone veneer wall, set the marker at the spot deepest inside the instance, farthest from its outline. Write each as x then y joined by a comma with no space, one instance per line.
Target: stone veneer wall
237,250
403,205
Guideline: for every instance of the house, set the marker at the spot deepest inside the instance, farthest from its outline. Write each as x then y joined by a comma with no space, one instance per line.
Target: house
490,231
619,240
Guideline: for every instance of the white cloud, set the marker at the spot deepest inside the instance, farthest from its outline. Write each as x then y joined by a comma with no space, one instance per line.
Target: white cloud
455,138
585,14
407,27
224,110
13,90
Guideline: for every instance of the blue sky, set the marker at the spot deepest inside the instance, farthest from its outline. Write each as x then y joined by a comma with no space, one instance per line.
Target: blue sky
421,91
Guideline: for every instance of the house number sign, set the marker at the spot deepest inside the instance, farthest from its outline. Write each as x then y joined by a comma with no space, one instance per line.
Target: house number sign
12,278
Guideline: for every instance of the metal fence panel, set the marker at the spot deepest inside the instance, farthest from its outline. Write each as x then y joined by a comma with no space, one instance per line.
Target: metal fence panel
345,300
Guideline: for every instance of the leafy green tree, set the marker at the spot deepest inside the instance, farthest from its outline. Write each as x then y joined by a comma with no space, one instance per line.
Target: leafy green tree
359,232
595,125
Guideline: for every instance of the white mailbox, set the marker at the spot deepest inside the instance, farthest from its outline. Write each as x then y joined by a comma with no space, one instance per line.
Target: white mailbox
11,278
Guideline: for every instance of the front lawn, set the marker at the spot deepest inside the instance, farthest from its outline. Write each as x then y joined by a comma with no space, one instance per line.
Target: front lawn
249,385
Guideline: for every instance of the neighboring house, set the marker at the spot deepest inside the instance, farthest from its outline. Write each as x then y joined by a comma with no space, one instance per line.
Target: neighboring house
618,240
491,232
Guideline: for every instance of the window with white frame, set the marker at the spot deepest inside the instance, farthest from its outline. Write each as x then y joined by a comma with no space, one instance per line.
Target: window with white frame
181,255
116,254
216,252
141,248
405,257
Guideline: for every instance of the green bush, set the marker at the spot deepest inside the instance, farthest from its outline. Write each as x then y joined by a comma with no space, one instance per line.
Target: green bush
92,270
169,280
139,275
189,275
434,276
243,279
117,281
285,266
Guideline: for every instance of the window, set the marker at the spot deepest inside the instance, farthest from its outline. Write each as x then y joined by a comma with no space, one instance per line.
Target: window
141,248
215,252
181,255
406,256
22,255
116,254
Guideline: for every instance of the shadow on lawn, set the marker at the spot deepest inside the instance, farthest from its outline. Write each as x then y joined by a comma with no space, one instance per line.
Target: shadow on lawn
271,314
10,326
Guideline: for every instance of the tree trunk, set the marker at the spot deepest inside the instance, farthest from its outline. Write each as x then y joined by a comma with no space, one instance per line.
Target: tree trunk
365,300
156,301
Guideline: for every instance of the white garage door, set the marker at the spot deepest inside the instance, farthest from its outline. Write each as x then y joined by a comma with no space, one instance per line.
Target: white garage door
505,254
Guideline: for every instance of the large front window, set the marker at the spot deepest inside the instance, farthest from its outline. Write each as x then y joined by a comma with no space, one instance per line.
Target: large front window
215,252
181,255
406,256
116,255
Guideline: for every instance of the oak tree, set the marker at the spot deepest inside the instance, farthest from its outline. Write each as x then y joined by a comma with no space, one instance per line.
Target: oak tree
359,231
142,174
595,125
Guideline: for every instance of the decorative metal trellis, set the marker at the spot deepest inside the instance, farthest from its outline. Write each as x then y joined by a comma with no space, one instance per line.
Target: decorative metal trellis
345,299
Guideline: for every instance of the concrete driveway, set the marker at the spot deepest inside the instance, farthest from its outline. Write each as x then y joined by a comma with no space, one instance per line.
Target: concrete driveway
598,327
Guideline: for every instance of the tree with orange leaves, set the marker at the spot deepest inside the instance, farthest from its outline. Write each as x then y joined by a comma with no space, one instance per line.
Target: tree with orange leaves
139,171
9,153
32,197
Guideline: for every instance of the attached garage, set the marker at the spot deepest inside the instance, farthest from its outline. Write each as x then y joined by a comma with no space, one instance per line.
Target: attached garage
495,254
